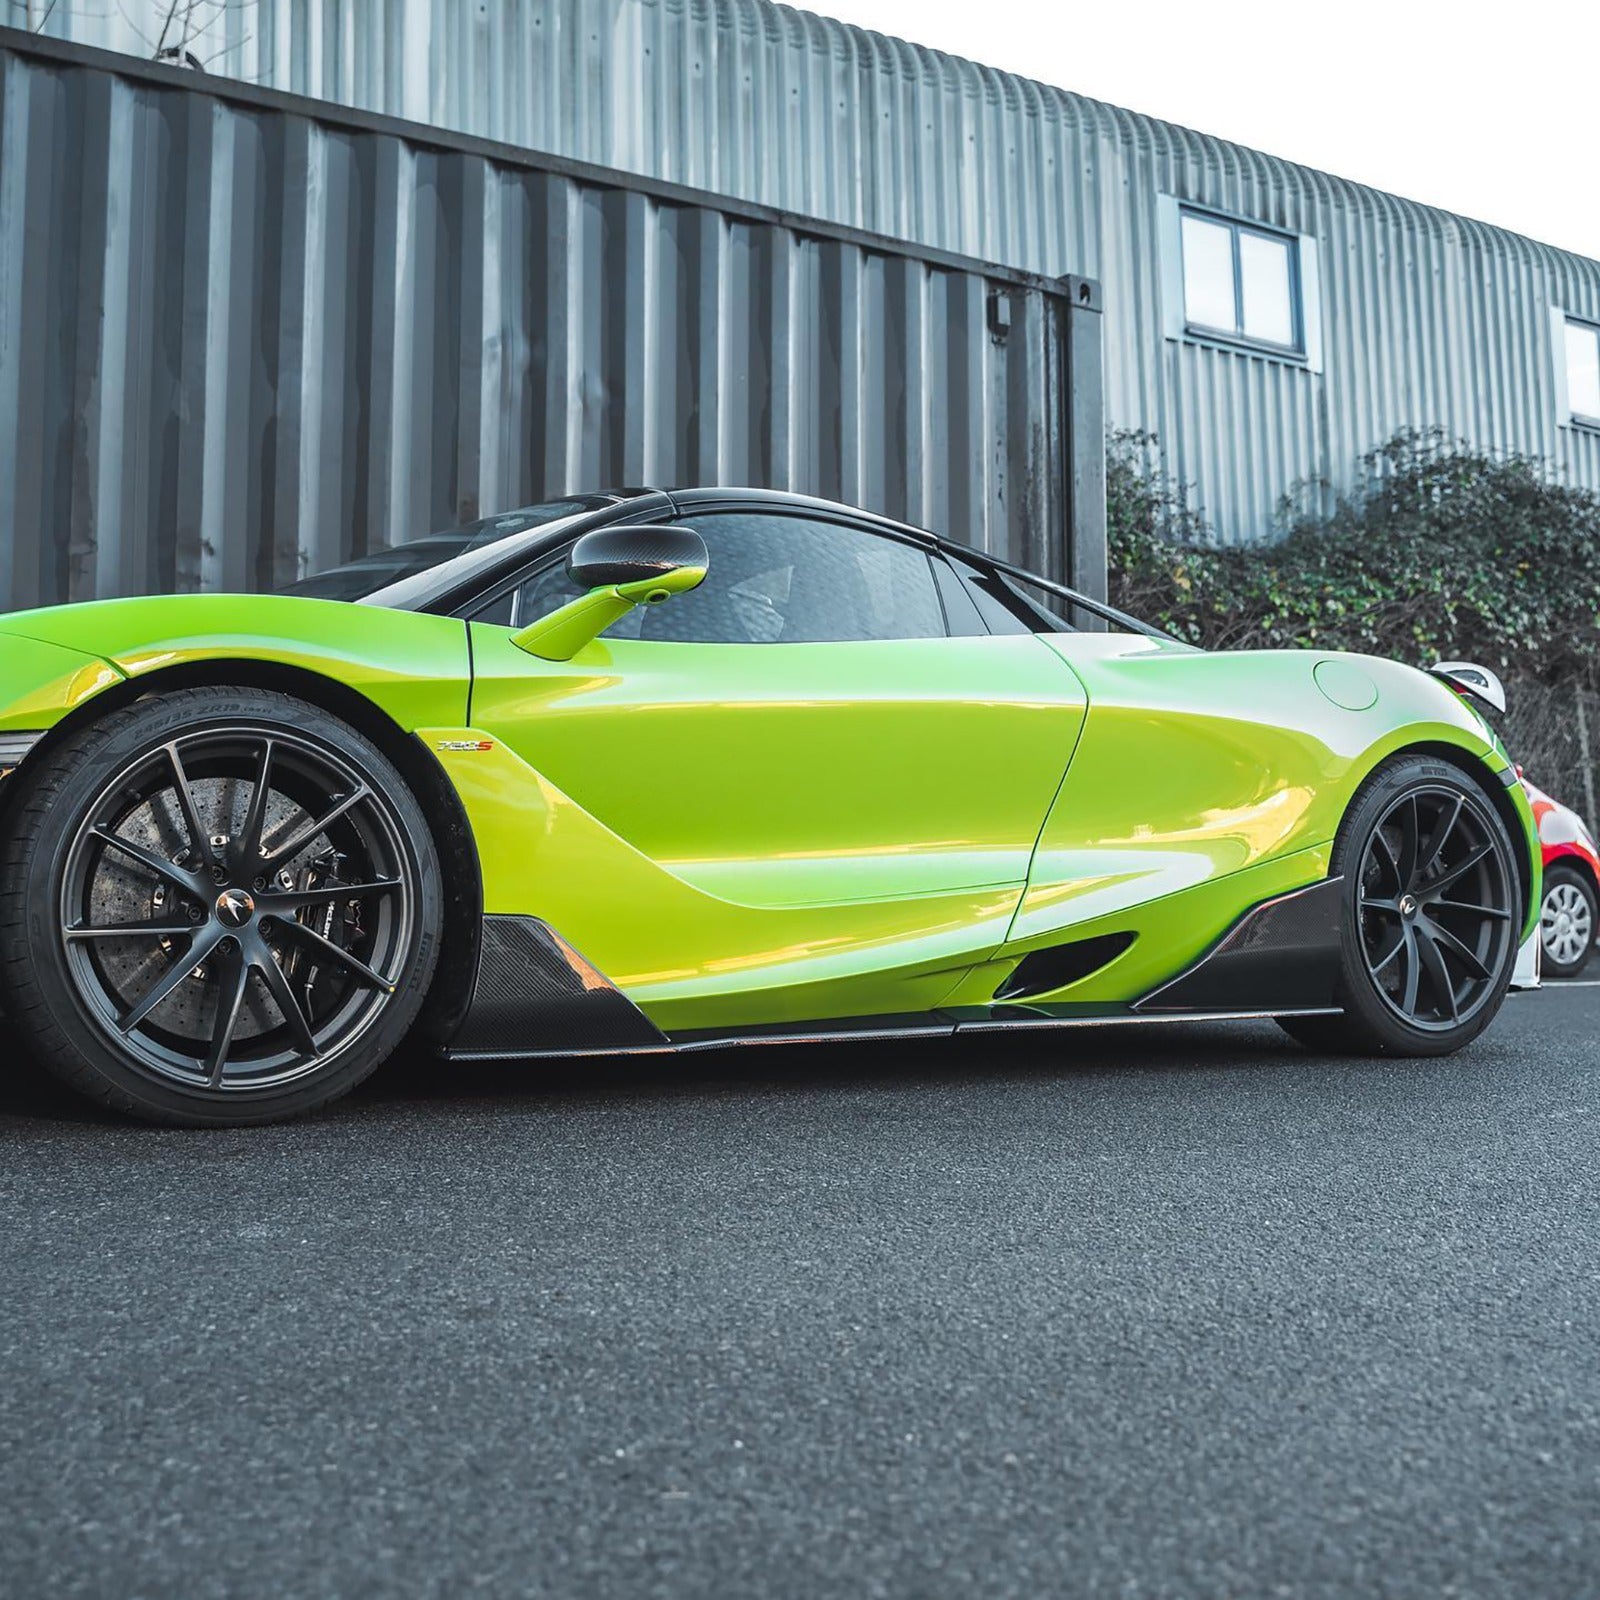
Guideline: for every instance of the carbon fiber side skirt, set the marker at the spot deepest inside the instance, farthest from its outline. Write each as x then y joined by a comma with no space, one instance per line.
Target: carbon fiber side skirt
534,996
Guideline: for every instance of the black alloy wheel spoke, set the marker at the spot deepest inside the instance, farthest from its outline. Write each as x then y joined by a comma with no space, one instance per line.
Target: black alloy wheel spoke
1462,951
130,930
336,953
151,861
1458,872
1410,829
199,839
232,984
287,1001
1389,859
1413,974
201,944
1439,838
281,900
248,852
1444,990
1493,913
288,849
1402,942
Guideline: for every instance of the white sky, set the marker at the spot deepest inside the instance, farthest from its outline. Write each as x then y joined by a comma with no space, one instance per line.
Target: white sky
1488,110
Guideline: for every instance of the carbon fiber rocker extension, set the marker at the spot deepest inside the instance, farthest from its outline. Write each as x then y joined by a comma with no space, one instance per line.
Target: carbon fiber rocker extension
533,994
1282,955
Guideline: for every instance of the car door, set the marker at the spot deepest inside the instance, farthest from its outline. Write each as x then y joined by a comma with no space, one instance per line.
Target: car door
804,740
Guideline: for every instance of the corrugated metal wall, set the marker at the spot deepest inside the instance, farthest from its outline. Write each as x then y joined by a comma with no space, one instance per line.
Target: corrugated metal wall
1429,319
242,337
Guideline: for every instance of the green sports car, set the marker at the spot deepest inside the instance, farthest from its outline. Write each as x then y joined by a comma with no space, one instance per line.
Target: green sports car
656,771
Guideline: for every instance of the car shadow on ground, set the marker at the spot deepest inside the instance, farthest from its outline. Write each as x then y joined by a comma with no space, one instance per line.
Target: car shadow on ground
416,1079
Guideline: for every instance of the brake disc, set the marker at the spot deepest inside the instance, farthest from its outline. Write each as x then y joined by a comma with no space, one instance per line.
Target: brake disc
123,891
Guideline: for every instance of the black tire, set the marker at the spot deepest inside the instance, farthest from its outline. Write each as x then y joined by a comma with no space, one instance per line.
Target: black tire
221,824
1432,907
1568,917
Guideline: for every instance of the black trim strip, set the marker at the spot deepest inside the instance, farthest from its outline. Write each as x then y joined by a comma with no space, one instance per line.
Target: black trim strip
1096,608
833,1033
1127,1018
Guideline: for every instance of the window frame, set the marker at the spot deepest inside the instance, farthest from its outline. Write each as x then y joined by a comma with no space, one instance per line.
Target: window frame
1576,418
1236,338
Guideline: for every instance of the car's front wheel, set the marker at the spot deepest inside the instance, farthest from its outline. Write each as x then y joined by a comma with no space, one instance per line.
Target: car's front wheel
217,906
1431,912
1566,920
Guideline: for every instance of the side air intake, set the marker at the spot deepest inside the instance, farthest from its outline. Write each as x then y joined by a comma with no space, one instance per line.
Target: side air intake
1061,964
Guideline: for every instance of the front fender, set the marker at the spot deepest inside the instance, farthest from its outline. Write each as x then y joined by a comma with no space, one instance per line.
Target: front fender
413,666
41,682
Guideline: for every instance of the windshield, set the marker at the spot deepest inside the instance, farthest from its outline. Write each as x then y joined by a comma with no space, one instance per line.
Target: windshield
385,577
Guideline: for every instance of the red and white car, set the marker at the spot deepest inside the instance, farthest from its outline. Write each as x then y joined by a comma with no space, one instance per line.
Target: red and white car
1570,913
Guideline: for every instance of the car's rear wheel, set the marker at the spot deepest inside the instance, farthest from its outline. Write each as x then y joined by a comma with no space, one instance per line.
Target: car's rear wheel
1431,909
1566,920
217,906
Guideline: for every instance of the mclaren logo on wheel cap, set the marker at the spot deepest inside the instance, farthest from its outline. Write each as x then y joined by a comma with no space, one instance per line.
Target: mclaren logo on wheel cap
234,908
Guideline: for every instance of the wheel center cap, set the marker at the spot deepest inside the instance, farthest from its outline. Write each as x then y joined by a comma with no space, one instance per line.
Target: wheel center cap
1408,905
234,908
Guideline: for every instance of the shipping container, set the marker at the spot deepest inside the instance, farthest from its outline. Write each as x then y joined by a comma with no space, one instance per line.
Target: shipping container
246,335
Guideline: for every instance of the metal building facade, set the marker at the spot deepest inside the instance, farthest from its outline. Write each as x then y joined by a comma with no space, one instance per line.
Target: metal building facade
244,335
1428,319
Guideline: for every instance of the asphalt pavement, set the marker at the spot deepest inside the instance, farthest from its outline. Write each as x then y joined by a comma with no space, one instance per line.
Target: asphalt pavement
1178,1311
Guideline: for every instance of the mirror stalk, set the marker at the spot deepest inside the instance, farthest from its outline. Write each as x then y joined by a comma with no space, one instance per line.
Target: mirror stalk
562,634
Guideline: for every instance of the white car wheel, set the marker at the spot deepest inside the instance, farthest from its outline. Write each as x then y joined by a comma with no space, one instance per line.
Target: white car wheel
1566,922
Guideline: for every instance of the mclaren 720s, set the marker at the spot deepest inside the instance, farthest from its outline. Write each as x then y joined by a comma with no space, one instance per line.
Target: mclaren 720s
657,771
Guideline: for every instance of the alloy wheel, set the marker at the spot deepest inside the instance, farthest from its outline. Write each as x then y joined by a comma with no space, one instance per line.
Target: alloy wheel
1566,925
237,907
1436,904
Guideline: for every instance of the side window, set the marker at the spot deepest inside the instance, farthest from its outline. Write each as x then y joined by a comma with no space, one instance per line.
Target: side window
547,590
790,580
779,580
499,612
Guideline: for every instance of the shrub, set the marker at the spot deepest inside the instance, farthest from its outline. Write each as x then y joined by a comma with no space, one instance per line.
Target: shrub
1446,551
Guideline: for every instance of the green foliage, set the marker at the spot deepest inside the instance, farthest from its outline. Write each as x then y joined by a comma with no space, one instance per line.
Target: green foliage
1447,552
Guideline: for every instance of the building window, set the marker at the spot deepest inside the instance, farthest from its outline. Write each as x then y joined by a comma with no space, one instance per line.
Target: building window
1241,282
1583,371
